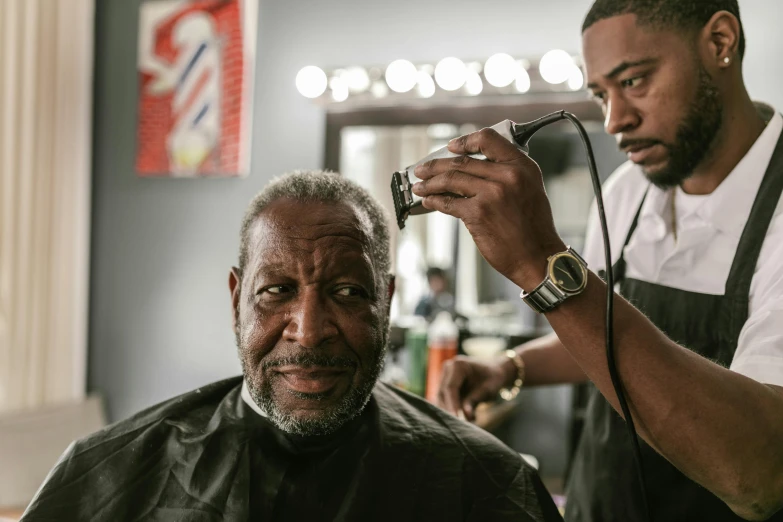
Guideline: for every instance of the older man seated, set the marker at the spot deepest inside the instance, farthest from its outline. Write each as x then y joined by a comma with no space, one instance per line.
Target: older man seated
308,434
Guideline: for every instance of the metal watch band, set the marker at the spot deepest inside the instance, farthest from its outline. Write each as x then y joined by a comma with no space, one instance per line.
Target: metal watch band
546,296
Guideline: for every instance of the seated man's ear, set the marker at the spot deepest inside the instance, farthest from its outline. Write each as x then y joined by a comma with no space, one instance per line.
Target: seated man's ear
235,286
390,294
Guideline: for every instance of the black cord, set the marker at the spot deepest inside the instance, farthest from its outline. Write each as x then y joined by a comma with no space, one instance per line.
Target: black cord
522,134
616,381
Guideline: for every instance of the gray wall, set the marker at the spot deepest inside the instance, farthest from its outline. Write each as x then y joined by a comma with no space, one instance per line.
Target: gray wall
160,321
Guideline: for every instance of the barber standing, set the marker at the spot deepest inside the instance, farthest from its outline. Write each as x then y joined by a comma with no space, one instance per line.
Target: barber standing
696,228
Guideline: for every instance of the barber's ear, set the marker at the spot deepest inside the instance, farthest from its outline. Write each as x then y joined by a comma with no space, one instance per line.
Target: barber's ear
723,32
235,287
390,291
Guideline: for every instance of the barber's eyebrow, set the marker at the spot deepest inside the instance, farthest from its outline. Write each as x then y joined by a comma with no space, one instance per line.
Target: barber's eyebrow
622,68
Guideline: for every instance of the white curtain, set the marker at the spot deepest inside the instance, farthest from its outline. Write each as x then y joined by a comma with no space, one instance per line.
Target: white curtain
46,64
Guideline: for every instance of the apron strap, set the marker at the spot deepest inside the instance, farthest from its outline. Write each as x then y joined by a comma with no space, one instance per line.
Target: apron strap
746,258
618,269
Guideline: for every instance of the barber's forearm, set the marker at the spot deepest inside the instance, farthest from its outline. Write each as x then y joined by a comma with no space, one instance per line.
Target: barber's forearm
718,427
547,362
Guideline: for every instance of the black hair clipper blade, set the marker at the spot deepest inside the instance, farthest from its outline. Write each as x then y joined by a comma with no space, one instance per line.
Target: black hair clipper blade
402,196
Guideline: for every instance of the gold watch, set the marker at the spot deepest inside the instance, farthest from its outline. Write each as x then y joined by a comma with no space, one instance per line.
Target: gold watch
566,277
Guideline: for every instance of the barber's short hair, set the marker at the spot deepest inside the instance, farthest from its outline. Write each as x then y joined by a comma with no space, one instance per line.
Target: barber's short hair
324,187
671,14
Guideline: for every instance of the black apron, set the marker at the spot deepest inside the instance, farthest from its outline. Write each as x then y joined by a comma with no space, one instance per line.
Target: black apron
603,485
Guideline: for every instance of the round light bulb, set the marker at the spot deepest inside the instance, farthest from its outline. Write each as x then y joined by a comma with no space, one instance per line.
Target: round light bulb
473,83
356,79
311,81
556,66
401,76
379,89
425,85
522,81
576,79
474,66
339,88
450,73
500,70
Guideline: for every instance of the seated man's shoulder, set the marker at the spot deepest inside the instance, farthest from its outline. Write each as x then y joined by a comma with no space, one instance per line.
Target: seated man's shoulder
190,411
433,427
129,442
491,481
121,462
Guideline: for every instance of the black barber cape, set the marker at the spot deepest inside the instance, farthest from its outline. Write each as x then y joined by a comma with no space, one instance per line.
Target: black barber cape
206,456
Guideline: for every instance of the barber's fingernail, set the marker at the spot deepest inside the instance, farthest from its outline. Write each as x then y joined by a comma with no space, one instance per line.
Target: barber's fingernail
456,143
461,415
416,187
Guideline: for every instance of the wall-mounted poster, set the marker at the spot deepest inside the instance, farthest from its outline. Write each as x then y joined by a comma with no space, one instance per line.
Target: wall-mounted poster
196,63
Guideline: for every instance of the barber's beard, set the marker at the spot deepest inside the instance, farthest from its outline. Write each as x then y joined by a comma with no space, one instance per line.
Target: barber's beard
332,417
695,135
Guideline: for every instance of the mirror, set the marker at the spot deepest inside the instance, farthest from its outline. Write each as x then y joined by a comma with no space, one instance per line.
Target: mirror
368,145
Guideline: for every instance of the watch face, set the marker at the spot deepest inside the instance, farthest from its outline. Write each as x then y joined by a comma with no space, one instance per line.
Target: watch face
567,273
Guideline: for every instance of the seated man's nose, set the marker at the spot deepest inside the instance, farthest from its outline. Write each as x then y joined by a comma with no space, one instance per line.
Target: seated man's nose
310,326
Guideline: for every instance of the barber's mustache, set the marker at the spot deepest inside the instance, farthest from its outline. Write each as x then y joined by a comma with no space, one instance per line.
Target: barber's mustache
638,143
310,361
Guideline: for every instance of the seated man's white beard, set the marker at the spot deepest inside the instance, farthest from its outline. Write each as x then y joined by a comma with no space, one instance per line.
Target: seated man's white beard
330,418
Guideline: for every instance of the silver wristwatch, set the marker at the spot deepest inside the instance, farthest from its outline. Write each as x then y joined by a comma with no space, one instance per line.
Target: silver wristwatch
566,277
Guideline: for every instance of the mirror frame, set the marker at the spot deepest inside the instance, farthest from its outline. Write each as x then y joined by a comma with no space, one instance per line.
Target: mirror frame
483,114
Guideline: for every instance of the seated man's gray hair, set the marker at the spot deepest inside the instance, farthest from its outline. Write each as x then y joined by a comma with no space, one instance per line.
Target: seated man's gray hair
328,187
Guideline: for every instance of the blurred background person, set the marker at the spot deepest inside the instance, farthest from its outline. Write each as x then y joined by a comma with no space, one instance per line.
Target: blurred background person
439,298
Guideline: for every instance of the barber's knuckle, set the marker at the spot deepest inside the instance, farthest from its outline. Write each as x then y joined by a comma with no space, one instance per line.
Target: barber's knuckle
429,165
461,365
459,161
509,175
485,133
445,377
495,192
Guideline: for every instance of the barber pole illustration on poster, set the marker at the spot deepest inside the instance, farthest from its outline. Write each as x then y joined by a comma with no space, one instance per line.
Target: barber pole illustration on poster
195,69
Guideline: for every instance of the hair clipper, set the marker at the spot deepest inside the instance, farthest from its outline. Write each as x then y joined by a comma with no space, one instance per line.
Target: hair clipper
519,134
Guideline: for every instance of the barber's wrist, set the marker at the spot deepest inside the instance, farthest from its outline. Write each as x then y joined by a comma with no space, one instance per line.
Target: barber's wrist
509,370
532,271
510,392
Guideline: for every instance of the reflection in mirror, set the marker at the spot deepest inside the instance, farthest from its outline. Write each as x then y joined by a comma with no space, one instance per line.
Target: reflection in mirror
369,154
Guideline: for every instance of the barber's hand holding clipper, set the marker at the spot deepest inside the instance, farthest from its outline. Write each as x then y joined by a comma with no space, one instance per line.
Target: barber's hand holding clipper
505,207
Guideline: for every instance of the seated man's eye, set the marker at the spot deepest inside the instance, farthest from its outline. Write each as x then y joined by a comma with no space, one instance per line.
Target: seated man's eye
278,289
350,291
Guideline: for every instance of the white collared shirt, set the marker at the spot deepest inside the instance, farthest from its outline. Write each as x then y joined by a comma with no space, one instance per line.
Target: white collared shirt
245,394
699,260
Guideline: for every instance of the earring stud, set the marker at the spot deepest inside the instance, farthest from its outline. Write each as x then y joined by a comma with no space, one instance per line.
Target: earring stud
726,60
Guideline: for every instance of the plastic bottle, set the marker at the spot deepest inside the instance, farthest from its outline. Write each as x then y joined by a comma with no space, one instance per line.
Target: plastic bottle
416,343
442,339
